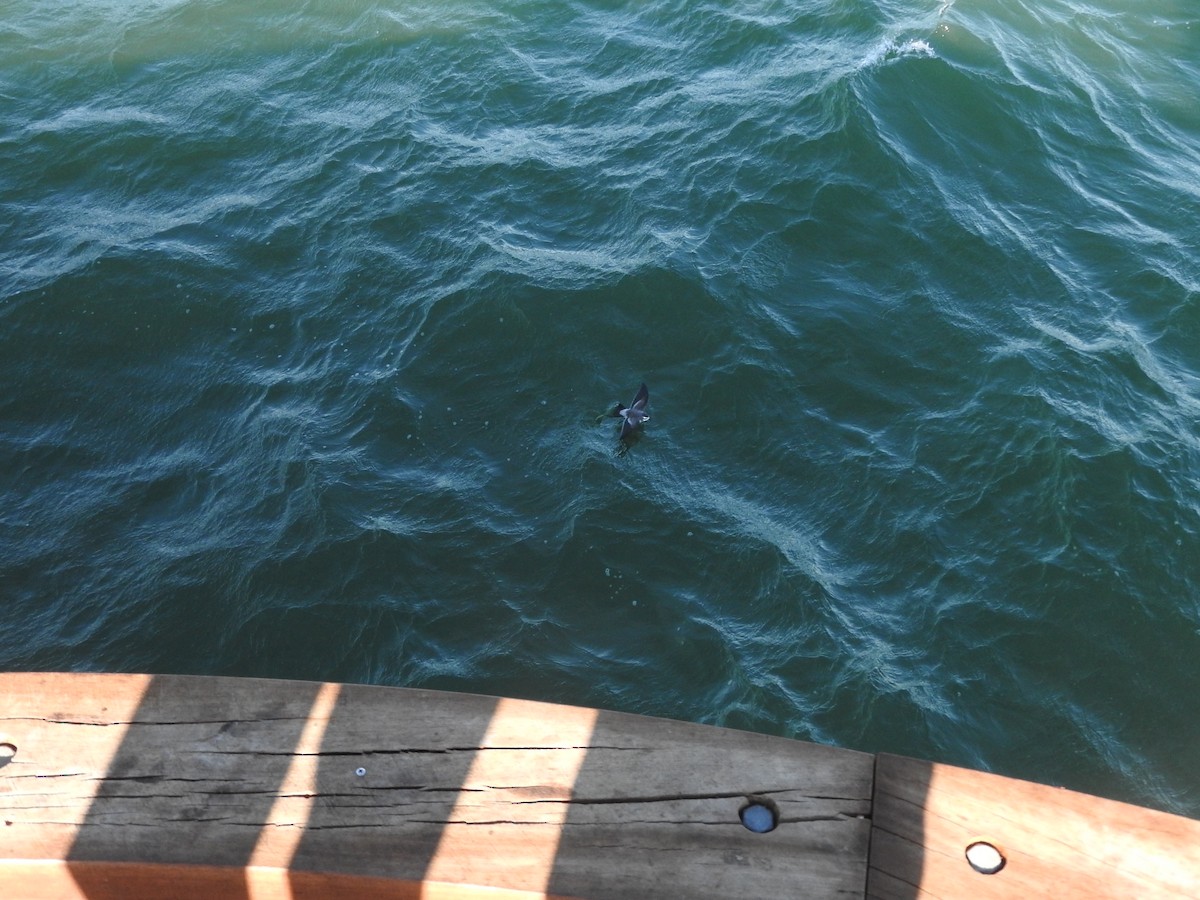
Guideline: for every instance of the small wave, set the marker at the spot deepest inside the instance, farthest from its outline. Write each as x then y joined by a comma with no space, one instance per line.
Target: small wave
893,49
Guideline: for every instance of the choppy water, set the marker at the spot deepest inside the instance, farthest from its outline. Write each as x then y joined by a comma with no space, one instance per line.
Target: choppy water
307,311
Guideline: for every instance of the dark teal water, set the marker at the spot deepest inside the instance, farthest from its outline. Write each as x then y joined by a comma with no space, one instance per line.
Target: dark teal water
307,312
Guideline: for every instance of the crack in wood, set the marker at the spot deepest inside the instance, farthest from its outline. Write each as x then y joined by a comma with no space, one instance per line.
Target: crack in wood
662,798
835,817
400,751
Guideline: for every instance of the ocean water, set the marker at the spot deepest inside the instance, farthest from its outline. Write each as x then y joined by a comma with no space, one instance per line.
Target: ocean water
308,310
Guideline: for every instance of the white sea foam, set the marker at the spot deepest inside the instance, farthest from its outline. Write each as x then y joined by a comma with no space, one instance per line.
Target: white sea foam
893,49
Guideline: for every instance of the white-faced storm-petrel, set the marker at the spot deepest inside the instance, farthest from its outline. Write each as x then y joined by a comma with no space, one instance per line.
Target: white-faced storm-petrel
634,414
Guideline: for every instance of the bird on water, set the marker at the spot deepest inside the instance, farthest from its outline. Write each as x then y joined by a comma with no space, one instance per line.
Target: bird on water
634,415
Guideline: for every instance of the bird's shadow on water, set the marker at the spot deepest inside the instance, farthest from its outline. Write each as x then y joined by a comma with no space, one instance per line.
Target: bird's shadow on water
625,444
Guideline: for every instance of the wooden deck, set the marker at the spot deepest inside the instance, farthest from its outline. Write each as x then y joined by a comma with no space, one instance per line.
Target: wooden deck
130,786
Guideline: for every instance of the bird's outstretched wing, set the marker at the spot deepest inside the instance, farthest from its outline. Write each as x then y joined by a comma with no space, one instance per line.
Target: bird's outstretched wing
636,413
642,398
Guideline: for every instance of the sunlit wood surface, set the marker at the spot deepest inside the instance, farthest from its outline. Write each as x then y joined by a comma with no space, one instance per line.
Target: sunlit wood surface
1057,844
135,786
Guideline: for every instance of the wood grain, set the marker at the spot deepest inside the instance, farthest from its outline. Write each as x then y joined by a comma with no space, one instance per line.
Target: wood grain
176,777
137,786
1057,843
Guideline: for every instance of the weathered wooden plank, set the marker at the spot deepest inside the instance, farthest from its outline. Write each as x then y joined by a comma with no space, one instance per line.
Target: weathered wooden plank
1057,843
689,800
147,881
443,791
